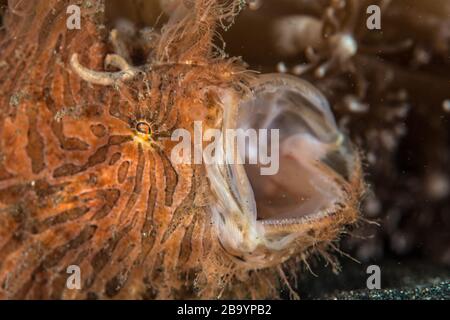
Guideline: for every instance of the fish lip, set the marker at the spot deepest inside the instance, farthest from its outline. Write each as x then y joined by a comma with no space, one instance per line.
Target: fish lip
234,212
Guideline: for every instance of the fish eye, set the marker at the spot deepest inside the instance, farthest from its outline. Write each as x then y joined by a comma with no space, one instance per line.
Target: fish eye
144,128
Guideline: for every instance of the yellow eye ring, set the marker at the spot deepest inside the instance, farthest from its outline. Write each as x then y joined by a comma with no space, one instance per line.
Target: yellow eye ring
143,128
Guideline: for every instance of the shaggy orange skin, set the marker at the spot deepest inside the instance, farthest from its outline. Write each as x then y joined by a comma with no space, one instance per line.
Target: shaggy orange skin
80,185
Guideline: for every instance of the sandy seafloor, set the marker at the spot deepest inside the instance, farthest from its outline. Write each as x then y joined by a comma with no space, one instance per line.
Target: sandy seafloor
405,280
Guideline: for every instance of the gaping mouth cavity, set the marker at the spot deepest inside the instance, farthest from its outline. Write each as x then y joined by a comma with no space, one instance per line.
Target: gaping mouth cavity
313,154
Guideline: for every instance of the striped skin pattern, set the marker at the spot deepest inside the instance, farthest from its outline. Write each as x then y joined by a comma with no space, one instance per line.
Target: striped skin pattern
80,185
85,172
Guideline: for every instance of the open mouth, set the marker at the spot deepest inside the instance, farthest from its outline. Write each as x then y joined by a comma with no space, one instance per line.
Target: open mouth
314,164
310,150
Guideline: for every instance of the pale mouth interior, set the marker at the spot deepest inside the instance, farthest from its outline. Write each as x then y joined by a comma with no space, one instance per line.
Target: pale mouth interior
303,185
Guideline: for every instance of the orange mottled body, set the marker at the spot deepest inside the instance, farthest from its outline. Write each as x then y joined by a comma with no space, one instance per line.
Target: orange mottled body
78,185
85,172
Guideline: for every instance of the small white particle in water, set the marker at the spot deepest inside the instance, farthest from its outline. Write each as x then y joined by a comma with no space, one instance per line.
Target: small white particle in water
388,139
437,185
401,242
281,67
372,207
300,69
371,158
446,105
354,105
320,72
254,4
